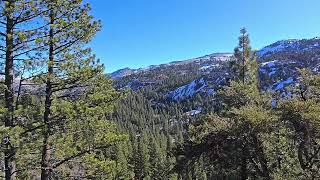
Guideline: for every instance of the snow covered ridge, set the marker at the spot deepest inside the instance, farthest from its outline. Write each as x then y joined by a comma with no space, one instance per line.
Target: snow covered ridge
278,69
219,57
275,75
292,45
122,73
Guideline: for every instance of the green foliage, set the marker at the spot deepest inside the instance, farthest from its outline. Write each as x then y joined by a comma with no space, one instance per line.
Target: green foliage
255,134
60,125
72,123
151,133
242,55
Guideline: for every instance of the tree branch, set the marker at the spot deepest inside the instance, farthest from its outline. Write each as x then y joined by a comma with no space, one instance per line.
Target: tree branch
78,155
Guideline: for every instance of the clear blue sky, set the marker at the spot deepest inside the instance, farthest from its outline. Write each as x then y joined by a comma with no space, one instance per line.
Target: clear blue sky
138,33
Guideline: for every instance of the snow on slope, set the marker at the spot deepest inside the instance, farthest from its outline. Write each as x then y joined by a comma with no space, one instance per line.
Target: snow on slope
215,57
122,73
290,45
194,112
188,90
278,46
269,63
279,60
282,84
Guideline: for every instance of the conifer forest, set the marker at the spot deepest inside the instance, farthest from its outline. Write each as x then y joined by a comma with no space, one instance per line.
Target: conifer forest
248,114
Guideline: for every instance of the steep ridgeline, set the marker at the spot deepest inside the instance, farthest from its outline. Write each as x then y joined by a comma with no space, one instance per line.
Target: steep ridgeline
279,62
183,80
179,79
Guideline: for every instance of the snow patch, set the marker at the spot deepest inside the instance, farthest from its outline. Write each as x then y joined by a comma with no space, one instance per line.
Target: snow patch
281,84
273,72
188,90
211,91
193,112
269,64
205,67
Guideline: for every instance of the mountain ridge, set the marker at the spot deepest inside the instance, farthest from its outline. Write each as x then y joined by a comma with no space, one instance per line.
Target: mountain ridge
262,52
128,71
180,80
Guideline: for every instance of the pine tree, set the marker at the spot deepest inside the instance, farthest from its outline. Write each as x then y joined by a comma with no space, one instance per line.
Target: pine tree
301,115
242,55
77,95
19,33
232,137
141,159
156,160
123,170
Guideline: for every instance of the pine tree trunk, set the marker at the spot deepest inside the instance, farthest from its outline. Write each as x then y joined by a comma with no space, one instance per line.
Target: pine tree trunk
45,162
244,171
9,94
261,157
243,58
46,168
9,70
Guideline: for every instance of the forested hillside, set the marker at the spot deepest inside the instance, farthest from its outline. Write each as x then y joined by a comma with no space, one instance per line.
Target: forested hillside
242,115
250,115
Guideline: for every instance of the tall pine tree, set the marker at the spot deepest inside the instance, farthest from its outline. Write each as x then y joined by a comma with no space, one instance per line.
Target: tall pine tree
19,32
242,54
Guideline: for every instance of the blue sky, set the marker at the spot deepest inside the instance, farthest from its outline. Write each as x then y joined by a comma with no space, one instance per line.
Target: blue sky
138,33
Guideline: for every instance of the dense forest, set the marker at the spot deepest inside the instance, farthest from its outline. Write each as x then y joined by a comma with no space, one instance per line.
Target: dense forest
62,117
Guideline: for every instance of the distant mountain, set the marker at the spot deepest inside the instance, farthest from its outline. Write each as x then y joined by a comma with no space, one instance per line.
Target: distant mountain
122,73
211,57
280,61
182,80
292,46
